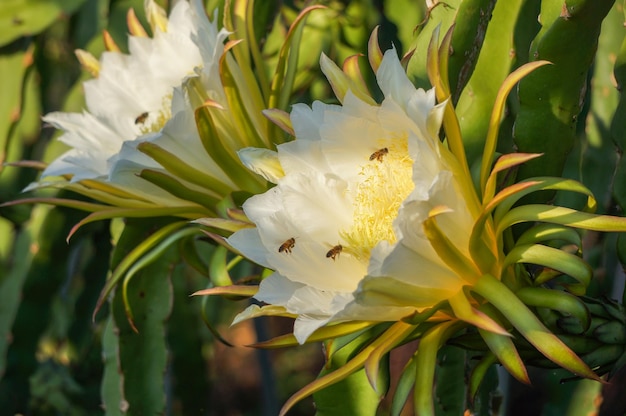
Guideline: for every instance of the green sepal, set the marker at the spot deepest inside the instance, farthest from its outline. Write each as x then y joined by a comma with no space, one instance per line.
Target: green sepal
553,258
530,327
60,202
542,184
176,188
426,359
446,249
182,170
158,212
496,116
218,270
322,334
285,68
557,300
503,348
247,123
479,372
562,216
544,233
234,290
239,18
222,153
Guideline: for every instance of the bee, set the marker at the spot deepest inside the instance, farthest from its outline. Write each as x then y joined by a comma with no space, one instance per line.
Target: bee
287,246
141,118
334,252
379,154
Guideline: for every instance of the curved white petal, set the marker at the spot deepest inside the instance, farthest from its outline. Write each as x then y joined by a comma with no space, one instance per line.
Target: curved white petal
248,242
392,79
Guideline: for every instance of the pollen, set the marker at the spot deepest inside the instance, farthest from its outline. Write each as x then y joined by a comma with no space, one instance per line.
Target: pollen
378,197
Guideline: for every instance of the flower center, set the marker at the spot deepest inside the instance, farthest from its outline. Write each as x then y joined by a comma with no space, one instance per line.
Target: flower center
153,122
387,181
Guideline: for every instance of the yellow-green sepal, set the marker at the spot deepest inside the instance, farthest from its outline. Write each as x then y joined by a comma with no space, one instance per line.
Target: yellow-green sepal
531,328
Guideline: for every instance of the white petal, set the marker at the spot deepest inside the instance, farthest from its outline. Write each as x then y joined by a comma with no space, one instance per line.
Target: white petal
248,242
392,79
305,325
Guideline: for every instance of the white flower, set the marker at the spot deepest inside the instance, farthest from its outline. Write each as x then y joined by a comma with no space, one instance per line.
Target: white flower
359,180
132,94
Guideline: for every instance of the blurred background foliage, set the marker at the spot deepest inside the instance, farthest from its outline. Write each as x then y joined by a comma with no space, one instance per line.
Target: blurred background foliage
56,360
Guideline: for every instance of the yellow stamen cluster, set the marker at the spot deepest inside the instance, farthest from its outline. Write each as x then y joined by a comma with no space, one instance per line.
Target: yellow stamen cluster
387,181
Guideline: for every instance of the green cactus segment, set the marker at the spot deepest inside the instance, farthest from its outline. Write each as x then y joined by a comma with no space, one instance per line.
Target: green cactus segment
470,30
28,17
353,395
495,62
551,98
143,355
450,390
186,343
594,158
111,388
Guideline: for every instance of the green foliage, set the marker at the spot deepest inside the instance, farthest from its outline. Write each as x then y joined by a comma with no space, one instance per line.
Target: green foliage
50,350
29,17
550,98
143,353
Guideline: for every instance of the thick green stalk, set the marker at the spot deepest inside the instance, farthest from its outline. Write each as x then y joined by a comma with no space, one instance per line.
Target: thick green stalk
551,98
496,61
472,20
143,354
450,391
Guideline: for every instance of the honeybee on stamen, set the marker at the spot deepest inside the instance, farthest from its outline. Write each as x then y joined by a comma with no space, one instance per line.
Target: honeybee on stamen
141,118
334,252
379,154
287,246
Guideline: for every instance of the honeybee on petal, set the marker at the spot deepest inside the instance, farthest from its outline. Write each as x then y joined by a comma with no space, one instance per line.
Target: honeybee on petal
287,246
141,118
334,252
379,154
